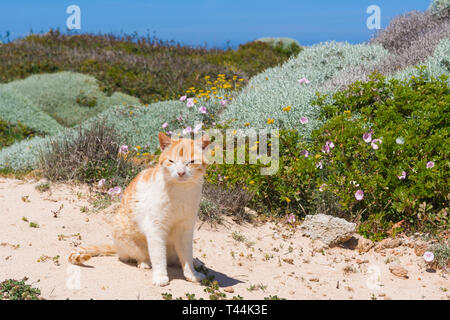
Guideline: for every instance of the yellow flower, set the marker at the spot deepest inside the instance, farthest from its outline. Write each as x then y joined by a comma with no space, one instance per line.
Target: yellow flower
317,156
287,199
247,124
234,132
270,121
287,109
138,147
251,182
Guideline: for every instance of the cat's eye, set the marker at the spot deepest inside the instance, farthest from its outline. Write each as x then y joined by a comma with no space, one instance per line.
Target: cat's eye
191,162
171,161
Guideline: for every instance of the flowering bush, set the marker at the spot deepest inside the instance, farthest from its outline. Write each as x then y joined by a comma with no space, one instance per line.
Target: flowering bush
293,189
390,160
380,158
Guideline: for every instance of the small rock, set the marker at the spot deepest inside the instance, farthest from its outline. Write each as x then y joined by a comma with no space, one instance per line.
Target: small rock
228,289
359,261
314,279
388,244
289,260
420,247
398,271
364,245
329,230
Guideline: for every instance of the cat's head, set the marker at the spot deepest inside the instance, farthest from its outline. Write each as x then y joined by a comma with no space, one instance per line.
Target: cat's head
183,160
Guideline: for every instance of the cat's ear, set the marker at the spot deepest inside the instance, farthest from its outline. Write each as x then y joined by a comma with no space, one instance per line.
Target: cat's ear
205,141
164,141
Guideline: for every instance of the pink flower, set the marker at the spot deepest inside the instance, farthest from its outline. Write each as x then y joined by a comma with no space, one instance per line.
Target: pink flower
367,137
430,164
219,177
305,153
187,130
328,145
203,110
198,127
223,102
303,81
101,183
322,187
354,183
180,118
190,103
183,98
359,195
428,256
326,148
402,176
375,142
169,133
304,120
115,192
123,149
319,165
165,125
291,219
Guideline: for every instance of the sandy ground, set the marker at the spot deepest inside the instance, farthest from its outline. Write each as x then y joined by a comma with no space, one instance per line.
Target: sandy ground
271,260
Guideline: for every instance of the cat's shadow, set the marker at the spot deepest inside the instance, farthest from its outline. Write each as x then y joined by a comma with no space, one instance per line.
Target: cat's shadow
175,272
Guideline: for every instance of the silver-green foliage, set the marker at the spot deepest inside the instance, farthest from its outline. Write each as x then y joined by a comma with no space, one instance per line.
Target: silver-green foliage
439,5
66,96
15,107
274,89
436,65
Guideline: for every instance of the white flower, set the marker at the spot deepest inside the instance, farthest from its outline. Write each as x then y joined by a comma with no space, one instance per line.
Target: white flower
400,140
428,256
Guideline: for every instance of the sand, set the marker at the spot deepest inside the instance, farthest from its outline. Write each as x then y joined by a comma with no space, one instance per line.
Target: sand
269,260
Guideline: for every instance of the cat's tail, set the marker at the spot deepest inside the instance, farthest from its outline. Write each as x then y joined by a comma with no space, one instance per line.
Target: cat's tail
83,254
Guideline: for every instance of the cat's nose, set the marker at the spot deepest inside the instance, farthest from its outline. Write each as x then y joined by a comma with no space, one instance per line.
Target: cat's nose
181,173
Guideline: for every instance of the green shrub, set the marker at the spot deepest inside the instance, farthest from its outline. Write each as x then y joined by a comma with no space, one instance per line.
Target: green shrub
10,133
410,119
18,290
405,175
15,107
291,190
68,97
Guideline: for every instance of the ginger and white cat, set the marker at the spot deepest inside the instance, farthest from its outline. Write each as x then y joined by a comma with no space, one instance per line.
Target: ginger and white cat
154,225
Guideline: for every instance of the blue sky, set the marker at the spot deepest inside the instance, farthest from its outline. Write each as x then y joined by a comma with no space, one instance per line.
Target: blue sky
213,22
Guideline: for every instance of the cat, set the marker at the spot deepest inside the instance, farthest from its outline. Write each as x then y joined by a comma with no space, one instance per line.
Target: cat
154,224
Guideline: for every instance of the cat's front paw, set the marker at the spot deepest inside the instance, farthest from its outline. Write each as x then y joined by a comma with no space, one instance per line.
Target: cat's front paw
195,276
160,281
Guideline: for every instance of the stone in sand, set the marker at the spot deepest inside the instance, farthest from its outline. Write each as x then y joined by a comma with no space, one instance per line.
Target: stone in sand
331,231
398,271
